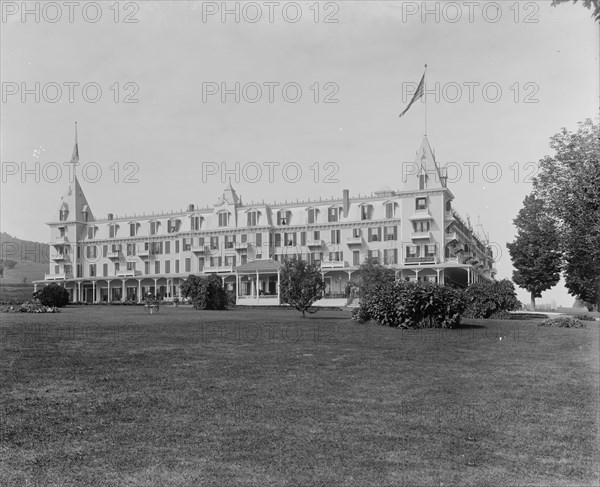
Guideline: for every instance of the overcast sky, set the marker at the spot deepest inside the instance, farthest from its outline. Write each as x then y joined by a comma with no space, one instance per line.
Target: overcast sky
525,70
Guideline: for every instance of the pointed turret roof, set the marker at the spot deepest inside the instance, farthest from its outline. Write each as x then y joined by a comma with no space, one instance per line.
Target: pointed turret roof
229,196
425,164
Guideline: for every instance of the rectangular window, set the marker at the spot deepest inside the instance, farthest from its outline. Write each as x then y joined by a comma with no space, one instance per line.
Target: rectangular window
336,236
375,234
200,264
278,240
117,267
214,243
259,239
356,257
244,238
421,226
131,266
374,256
104,270
167,266
176,266
112,231
302,238
168,247
336,256
356,233
104,250
412,251
131,249
195,222
230,241
92,270
132,229
188,264
56,269
230,260
312,215
91,232
146,267
252,219
153,228
283,218
390,256
421,203
391,233
173,226
176,246
290,239
365,212
430,250
157,267
316,235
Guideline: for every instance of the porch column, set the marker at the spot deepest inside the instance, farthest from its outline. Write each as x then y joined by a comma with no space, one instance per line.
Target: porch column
108,296
139,290
122,290
79,291
417,274
93,291
438,276
34,287
278,286
468,276
257,286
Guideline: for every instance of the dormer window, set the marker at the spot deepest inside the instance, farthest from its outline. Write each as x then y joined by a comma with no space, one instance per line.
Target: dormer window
421,203
366,212
333,214
223,218
154,227
173,225
253,218
112,230
284,217
133,227
196,222
91,232
63,214
389,210
312,215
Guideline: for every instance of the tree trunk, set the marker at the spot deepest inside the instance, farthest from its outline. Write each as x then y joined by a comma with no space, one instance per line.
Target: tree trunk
532,301
303,315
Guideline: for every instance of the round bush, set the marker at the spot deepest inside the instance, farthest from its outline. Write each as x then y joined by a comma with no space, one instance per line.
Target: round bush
53,295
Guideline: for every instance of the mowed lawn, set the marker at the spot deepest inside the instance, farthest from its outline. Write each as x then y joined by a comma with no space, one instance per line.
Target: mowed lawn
111,396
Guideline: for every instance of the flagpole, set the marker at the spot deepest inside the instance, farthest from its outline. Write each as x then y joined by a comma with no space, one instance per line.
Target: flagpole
425,96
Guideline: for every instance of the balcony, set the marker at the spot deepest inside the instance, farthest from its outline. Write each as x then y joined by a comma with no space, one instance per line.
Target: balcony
144,254
421,215
60,240
220,268
241,245
60,257
314,243
420,235
131,258
354,241
432,259
334,264
200,249
113,254
59,276
129,273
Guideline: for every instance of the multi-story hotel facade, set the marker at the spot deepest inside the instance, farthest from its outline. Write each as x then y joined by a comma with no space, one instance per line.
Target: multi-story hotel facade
414,230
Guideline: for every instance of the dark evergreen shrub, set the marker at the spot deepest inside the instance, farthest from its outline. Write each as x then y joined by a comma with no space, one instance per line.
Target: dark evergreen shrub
205,292
52,295
491,300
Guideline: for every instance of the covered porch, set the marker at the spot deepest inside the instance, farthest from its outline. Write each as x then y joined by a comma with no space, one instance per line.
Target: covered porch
258,283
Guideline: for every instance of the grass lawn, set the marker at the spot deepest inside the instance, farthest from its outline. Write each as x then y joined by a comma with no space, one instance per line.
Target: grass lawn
111,396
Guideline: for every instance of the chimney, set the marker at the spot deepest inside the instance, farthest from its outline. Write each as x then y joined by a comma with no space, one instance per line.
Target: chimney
190,207
346,202
110,216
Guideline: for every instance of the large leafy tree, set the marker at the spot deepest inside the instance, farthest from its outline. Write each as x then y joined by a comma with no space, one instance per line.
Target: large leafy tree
586,3
205,292
569,185
534,252
301,285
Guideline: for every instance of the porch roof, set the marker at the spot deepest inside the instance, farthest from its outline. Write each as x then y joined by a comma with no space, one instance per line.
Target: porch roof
263,266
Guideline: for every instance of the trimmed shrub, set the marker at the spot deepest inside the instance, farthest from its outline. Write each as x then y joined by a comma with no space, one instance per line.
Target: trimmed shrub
491,300
411,305
585,317
52,295
205,292
563,322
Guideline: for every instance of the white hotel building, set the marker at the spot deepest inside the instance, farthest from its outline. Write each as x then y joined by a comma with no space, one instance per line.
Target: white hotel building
414,231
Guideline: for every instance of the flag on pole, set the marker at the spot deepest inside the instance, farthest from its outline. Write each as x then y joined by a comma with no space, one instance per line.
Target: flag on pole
75,156
418,94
